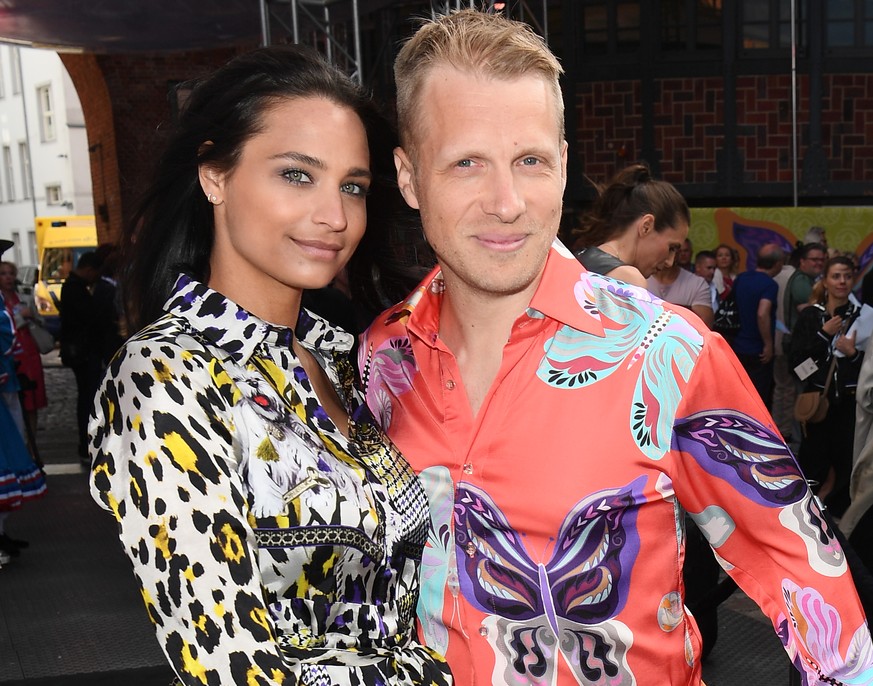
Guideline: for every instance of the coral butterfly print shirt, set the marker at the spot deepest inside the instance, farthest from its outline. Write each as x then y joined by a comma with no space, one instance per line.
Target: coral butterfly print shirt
557,540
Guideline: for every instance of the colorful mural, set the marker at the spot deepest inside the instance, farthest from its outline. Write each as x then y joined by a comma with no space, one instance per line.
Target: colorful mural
848,229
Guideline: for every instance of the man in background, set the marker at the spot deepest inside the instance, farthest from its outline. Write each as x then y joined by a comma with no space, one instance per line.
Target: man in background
704,267
756,293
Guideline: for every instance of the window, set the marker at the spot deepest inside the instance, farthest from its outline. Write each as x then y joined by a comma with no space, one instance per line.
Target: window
16,249
7,169
46,112
31,247
691,24
609,27
53,195
15,67
849,24
2,82
767,26
26,178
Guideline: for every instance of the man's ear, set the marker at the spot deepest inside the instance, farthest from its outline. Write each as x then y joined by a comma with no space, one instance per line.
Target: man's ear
405,177
564,148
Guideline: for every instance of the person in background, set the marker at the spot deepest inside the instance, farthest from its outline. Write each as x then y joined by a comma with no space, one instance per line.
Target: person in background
26,353
107,302
817,235
685,254
552,559
636,226
820,334
756,295
727,267
704,267
681,287
80,341
810,263
248,479
785,384
20,478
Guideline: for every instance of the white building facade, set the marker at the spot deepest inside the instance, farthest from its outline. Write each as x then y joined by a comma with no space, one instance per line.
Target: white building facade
44,163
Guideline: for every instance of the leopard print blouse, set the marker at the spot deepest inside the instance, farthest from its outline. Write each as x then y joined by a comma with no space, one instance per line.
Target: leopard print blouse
269,548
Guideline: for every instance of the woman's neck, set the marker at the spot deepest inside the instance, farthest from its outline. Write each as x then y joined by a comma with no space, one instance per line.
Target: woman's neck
833,304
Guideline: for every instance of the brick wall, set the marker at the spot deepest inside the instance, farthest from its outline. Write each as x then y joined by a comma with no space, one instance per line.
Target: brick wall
688,121
847,126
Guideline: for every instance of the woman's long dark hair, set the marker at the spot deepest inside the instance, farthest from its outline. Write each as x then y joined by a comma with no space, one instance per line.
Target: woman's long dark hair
630,194
173,229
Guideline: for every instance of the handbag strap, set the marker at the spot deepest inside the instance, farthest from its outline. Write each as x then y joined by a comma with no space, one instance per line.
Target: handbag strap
833,364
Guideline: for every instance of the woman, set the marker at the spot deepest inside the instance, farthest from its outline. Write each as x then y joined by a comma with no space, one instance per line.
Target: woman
726,261
20,479
825,453
275,531
635,227
26,353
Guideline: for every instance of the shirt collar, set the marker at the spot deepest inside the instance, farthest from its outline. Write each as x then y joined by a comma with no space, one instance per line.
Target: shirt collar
566,293
238,332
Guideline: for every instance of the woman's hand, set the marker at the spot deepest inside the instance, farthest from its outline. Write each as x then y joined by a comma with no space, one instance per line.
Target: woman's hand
846,345
832,326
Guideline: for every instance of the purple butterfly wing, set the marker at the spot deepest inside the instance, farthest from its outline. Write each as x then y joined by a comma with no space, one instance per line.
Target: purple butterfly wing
744,452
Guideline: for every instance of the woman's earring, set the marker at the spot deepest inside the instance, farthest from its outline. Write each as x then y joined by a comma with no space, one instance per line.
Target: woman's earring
212,198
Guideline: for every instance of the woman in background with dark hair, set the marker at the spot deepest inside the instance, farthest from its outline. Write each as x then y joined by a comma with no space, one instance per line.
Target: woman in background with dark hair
819,334
275,531
636,226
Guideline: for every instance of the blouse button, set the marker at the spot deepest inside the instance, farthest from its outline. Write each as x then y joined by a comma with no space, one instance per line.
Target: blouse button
450,384
468,468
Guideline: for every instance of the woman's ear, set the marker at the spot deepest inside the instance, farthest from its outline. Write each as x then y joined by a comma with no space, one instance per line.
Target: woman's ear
212,183
405,177
645,225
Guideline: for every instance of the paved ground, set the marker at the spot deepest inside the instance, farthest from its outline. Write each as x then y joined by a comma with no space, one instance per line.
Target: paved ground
70,612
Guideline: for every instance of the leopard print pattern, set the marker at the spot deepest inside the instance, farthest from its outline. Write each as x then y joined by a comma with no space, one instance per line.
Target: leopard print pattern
270,549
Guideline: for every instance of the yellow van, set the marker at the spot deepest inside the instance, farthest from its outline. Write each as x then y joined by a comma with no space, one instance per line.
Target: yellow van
60,241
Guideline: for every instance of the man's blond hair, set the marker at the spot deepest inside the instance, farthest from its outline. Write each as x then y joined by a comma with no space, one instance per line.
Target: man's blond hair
471,41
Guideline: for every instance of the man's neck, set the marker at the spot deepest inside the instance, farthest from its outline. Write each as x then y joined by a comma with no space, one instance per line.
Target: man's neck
476,326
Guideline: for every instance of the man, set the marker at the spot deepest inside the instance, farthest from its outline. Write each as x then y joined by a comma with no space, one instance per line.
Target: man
683,257
558,418
810,265
785,384
80,343
756,293
680,287
704,267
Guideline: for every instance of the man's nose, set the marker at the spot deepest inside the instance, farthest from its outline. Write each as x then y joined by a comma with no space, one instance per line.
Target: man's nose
503,197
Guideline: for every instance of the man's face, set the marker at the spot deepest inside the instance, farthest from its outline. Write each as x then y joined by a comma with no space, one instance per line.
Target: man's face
813,263
705,267
488,174
684,256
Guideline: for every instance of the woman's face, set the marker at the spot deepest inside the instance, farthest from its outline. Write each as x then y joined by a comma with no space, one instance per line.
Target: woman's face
838,281
656,250
291,212
724,259
7,278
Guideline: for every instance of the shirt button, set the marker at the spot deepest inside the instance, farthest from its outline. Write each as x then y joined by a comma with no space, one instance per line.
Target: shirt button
483,630
468,468
450,385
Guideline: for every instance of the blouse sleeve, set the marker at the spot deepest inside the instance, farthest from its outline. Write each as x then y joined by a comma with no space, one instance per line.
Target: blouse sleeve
739,482
163,463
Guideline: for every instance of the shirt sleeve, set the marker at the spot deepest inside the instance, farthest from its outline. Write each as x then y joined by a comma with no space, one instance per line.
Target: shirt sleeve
740,483
701,293
164,464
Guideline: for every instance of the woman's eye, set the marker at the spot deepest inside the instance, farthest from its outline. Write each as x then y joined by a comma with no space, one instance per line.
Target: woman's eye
297,176
354,189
